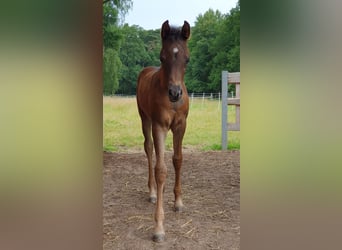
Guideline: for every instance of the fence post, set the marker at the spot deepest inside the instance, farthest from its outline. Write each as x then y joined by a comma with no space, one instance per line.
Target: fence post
224,116
192,99
237,108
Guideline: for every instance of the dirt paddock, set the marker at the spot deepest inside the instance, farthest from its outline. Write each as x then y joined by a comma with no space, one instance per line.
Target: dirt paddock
211,196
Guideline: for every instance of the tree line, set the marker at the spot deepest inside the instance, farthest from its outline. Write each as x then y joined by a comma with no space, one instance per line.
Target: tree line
214,46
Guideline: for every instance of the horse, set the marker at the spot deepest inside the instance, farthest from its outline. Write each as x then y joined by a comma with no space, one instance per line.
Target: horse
163,104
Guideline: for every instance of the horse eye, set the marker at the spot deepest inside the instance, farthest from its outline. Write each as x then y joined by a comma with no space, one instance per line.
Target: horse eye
187,60
162,58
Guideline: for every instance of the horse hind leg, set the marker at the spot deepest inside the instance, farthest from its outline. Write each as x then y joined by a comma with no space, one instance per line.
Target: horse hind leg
148,146
177,162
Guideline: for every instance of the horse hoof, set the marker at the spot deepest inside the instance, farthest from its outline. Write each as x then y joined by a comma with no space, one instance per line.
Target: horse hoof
158,237
152,200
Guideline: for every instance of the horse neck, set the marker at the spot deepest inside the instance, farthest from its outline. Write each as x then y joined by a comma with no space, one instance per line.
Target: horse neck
162,75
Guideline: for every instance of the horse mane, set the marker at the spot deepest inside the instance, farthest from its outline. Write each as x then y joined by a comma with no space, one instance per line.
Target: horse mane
175,33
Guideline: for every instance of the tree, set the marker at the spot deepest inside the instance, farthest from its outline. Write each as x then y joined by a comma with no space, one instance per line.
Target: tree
202,51
134,57
214,47
139,48
152,42
122,6
113,10
227,46
111,71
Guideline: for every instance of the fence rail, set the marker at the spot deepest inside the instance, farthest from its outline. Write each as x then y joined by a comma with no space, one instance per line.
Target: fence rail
206,95
229,78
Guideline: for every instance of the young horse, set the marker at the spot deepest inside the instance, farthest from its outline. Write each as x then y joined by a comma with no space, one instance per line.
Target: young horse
163,104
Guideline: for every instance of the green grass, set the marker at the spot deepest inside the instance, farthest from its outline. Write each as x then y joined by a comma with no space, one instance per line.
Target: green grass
122,126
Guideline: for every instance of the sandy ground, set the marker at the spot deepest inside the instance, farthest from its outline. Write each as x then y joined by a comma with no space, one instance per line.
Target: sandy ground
211,195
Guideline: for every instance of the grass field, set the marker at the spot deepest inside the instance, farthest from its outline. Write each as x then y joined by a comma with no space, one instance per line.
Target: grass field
122,126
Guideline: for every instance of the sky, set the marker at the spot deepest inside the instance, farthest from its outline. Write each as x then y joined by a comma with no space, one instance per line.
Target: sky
150,14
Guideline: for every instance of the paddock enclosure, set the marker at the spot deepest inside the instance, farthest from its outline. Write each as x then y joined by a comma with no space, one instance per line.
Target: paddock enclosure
232,78
211,195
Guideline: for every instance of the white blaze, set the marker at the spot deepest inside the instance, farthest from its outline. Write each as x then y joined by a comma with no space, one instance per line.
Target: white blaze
175,50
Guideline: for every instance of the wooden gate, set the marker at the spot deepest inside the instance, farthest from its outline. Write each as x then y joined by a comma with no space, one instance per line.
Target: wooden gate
229,78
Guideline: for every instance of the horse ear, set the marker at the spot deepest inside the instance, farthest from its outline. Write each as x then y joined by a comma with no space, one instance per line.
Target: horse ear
186,30
165,30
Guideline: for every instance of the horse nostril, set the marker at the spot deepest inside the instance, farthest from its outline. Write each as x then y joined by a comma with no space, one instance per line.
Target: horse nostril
175,92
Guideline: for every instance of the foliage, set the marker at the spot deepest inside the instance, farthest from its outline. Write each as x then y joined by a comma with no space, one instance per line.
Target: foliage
214,47
137,51
112,37
111,71
121,6
202,51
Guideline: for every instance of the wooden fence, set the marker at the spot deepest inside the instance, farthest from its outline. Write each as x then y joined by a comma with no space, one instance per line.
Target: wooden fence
229,78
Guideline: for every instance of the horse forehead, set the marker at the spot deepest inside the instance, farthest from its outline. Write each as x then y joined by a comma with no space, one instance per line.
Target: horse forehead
177,48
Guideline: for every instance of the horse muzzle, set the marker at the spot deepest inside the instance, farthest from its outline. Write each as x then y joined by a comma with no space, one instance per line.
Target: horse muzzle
175,93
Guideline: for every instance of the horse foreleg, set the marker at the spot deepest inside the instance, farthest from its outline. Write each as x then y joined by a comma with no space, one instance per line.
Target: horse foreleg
159,135
148,146
177,158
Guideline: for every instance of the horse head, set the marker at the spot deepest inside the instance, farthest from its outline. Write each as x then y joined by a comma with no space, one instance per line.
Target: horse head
174,56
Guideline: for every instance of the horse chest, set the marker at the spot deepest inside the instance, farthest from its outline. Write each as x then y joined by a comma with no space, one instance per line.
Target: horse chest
169,116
